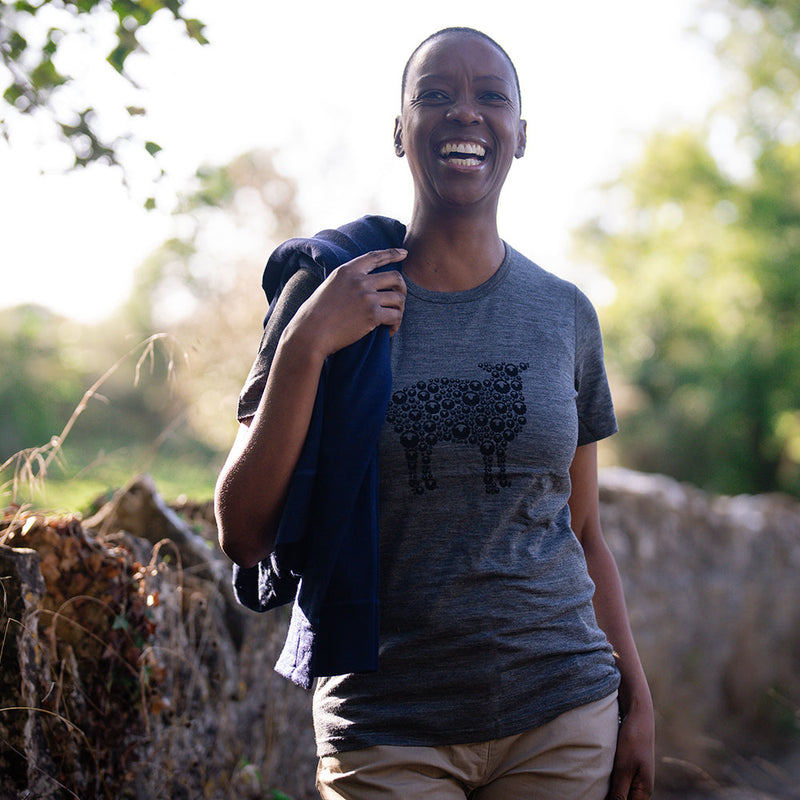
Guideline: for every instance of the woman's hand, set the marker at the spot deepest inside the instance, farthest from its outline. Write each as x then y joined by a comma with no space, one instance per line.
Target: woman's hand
352,301
632,777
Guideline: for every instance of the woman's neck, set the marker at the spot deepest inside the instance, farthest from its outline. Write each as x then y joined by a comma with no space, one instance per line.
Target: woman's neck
452,253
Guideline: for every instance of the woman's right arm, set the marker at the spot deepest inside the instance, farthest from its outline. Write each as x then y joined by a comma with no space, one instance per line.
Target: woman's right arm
252,486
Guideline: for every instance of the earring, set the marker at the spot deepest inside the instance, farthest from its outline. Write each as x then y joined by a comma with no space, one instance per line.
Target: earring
398,149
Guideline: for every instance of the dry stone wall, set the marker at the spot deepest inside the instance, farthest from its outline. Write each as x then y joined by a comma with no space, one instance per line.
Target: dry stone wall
126,670
713,590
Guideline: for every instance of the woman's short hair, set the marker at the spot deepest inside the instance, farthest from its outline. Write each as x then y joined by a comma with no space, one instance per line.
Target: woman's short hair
463,32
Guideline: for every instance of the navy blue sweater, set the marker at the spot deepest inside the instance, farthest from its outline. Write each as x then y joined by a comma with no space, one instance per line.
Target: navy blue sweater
326,550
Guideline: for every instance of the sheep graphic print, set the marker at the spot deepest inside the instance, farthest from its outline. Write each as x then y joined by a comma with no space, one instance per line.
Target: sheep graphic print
486,414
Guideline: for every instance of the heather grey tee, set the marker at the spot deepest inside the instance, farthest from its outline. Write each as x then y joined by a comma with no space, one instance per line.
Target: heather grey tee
487,624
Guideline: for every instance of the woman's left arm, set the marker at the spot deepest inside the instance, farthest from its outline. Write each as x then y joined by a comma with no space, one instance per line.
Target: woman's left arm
634,764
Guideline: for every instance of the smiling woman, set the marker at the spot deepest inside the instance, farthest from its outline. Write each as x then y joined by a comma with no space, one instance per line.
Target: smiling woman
460,128
431,507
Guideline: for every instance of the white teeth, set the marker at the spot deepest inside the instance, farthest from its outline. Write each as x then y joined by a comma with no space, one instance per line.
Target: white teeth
467,148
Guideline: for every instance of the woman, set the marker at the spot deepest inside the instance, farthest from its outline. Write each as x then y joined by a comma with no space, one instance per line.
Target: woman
507,668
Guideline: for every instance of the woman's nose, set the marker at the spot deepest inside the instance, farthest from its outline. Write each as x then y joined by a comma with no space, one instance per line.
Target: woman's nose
463,110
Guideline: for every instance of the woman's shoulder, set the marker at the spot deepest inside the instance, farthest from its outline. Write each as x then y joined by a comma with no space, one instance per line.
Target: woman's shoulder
543,280
552,291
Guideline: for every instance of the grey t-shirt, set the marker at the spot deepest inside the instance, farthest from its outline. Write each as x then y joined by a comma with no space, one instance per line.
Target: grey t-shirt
487,624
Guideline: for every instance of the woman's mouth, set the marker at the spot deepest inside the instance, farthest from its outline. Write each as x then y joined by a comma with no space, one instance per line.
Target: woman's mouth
462,154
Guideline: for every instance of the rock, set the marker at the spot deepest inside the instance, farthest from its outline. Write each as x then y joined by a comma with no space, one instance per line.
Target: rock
138,509
714,601
202,702
25,762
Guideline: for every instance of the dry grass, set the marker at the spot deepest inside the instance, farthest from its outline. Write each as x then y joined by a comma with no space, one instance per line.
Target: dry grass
29,467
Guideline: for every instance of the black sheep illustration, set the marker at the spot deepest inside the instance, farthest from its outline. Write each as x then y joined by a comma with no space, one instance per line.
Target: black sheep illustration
486,413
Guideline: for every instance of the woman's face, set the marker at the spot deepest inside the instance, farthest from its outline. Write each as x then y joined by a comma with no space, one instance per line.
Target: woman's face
460,123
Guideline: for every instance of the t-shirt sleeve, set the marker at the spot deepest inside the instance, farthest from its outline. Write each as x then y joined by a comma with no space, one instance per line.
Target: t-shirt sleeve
297,290
596,418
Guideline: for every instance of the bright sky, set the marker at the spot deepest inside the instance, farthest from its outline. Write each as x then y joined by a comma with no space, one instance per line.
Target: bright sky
318,81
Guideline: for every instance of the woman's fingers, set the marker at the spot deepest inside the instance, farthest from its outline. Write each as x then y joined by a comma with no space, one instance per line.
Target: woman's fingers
381,298
384,289
392,304
632,777
375,258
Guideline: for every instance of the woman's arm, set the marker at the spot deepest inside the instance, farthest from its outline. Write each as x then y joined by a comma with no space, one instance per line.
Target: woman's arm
634,765
252,486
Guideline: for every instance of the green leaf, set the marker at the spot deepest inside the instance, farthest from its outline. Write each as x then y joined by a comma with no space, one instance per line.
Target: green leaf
54,36
173,5
16,45
127,43
152,148
121,623
141,12
195,28
13,93
46,76
117,57
150,203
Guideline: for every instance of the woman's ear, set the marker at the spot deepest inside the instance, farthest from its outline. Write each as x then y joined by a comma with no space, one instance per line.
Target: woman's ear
522,139
398,138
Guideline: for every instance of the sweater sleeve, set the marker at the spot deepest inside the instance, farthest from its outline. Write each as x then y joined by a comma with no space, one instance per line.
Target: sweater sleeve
297,290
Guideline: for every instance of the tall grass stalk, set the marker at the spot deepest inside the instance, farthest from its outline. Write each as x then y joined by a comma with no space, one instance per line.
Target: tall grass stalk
30,465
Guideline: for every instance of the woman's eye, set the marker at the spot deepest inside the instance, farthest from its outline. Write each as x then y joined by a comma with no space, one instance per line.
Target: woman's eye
433,94
494,97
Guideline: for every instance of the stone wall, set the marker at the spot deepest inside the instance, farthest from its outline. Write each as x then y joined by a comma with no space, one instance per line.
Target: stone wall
712,585
127,671
713,591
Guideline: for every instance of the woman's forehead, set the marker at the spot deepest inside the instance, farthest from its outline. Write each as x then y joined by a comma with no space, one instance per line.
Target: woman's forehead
455,52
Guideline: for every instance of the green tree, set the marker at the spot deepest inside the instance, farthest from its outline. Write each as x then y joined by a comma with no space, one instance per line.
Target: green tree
33,38
702,242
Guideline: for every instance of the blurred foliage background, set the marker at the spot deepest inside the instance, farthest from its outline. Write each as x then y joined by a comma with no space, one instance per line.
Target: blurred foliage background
168,409
702,243
700,239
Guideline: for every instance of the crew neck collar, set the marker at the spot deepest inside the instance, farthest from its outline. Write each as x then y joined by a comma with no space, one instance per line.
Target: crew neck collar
466,295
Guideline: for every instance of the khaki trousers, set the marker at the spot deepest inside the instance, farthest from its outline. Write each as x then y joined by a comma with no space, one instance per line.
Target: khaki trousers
569,758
